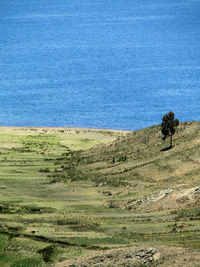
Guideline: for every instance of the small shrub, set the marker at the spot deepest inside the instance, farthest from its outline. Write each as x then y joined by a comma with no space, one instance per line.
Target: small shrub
122,158
113,160
112,204
50,253
44,170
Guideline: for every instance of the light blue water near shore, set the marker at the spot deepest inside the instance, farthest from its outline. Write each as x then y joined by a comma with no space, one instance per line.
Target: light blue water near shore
98,63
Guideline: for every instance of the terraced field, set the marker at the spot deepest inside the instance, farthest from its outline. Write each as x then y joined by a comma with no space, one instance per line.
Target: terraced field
70,192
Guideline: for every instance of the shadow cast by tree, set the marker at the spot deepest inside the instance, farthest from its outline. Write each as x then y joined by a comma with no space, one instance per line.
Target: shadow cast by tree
166,148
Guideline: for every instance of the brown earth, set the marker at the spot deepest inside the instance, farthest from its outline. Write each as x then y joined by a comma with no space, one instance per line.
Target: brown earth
138,257
173,198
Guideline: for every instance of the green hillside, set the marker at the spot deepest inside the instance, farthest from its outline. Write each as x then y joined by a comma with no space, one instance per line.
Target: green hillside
67,192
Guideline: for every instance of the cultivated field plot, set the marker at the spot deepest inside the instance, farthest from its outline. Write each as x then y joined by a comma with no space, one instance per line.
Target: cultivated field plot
72,192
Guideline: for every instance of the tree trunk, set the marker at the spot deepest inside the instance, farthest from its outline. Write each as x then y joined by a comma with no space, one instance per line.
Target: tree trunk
171,140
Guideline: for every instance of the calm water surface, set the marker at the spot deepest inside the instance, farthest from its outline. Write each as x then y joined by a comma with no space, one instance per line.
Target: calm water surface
98,63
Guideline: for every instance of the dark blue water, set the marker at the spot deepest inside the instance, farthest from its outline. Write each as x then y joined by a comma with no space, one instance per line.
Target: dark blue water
98,63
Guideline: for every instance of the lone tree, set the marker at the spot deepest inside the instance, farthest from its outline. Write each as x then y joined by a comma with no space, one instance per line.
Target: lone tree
169,126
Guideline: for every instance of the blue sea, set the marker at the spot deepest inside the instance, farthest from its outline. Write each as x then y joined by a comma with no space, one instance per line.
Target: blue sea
118,64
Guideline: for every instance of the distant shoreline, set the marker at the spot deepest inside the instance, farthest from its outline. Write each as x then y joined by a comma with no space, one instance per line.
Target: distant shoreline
64,128
90,129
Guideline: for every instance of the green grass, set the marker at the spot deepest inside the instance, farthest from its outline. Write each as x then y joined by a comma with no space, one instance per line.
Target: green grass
28,262
69,191
3,241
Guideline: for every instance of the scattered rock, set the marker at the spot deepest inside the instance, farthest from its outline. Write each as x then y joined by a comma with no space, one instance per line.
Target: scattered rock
121,257
102,184
197,190
107,193
148,199
134,257
182,199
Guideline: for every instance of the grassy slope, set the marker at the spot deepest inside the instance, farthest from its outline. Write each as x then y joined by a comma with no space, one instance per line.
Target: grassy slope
101,191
